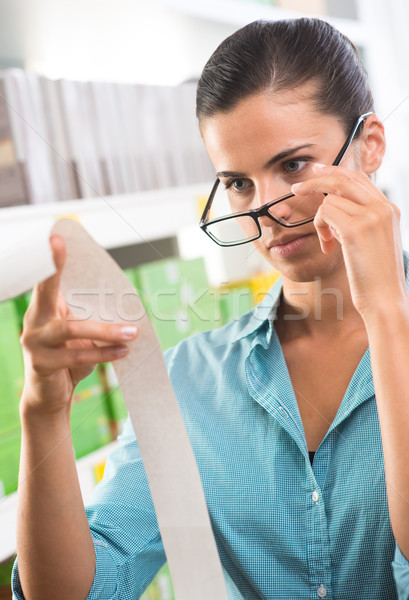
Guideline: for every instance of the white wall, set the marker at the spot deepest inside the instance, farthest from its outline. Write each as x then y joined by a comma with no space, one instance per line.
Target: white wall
118,40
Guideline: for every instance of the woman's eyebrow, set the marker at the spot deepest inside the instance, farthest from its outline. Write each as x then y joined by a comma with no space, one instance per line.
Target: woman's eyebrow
221,174
269,163
285,154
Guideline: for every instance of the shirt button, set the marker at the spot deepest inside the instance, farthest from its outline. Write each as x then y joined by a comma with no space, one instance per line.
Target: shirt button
322,592
316,497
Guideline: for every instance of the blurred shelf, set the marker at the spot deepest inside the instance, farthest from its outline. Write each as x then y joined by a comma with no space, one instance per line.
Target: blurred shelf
241,12
8,504
113,221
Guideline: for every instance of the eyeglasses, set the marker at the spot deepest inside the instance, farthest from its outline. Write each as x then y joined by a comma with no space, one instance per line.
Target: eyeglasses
243,226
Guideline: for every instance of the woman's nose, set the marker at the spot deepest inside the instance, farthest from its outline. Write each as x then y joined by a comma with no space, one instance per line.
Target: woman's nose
280,211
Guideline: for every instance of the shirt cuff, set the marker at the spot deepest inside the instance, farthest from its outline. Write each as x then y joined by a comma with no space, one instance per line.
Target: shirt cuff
104,586
400,567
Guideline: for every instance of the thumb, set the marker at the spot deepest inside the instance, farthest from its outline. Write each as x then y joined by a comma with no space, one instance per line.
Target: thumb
45,294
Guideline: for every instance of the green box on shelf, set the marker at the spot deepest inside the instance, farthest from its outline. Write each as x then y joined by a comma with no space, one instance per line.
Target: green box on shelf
89,417
132,275
235,301
170,327
205,312
11,367
153,276
194,273
21,303
168,284
161,587
115,402
175,325
10,442
5,572
177,298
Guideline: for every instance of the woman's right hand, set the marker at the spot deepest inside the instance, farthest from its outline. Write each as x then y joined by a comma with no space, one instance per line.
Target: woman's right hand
58,350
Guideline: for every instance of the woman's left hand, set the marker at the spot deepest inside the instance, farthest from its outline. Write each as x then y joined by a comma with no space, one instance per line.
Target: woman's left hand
366,224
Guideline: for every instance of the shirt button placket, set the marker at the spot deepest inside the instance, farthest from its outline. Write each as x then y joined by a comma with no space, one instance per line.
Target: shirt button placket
321,592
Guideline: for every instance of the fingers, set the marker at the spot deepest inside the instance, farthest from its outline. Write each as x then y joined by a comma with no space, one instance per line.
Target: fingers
337,219
326,236
353,185
58,331
62,344
325,223
351,203
45,294
47,360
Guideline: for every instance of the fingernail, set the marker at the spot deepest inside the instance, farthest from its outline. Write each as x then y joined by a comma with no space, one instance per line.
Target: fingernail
129,331
296,186
121,350
319,166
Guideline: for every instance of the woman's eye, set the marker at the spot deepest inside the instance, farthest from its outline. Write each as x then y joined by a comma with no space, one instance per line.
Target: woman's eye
294,166
237,185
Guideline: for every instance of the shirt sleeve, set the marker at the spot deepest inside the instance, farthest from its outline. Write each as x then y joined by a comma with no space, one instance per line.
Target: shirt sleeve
401,573
128,546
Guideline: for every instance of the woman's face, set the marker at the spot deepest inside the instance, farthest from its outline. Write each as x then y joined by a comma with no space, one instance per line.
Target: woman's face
259,149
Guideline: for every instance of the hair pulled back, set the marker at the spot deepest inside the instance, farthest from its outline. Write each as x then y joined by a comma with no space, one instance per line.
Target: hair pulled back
272,56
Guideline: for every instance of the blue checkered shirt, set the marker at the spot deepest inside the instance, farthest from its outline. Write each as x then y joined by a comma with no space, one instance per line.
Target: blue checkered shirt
285,529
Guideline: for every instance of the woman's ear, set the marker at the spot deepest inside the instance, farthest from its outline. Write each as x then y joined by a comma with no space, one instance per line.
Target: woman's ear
372,145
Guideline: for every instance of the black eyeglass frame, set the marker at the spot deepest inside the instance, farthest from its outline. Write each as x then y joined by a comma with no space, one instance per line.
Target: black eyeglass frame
263,211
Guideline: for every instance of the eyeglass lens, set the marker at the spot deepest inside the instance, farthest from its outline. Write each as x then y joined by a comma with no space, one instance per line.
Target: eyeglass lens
291,212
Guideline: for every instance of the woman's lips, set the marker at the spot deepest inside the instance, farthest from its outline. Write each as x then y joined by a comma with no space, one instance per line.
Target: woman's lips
288,246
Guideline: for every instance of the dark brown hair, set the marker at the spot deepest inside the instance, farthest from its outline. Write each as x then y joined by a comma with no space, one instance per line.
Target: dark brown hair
271,56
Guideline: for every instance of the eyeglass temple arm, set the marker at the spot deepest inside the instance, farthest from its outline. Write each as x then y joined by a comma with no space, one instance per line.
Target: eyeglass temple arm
351,136
209,203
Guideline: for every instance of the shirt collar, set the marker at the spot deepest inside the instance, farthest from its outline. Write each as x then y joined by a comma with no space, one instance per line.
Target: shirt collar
262,316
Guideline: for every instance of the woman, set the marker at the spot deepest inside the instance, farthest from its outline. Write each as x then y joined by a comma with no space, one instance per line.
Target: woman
299,432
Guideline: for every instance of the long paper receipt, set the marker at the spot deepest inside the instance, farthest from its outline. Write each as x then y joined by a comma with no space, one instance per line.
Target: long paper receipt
167,455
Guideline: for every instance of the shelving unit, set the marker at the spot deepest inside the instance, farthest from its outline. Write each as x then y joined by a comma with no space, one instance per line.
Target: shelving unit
113,221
